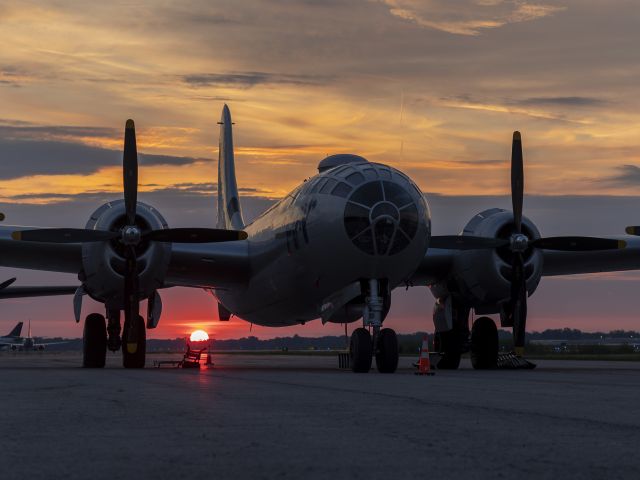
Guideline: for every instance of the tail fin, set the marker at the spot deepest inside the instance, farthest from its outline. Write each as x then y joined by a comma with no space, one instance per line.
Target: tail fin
17,330
229,212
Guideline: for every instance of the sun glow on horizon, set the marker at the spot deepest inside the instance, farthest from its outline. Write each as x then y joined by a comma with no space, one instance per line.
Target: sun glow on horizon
199,336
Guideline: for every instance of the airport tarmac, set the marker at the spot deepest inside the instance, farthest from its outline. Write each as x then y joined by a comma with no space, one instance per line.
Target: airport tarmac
263,416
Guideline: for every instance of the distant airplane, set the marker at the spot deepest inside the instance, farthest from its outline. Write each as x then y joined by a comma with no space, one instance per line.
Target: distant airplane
15,342
334,248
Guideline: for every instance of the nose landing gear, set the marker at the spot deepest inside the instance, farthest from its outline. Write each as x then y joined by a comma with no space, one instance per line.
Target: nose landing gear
383,344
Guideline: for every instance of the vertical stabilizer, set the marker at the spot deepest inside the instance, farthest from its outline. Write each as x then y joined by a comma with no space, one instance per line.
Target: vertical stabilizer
229,212
17,330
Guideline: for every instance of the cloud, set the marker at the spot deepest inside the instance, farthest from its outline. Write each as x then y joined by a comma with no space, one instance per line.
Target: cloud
530,109
564,101
627,176
20,130
23,158
248,79
13,76
468,17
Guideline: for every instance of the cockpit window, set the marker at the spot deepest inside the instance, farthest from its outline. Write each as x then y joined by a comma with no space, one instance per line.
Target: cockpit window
328,186
356,178
370,173
341,190
397,195
356,219
381,218
409,220
368,194
318,183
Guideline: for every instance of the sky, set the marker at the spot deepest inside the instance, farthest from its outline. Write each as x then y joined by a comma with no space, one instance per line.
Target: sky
432,87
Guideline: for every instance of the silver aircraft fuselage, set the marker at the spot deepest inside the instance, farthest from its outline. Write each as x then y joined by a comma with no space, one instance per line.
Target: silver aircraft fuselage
310,250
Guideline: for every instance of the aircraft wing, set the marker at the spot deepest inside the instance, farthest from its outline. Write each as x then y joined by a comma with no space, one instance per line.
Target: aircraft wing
209,265
53,257
23,292
438,264
571,263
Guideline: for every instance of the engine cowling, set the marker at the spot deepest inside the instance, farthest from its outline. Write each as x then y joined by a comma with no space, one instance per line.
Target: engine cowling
484,276
104,262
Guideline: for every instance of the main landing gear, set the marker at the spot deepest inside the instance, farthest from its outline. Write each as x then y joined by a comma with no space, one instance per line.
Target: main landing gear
98,335
383,344
484,344
94,341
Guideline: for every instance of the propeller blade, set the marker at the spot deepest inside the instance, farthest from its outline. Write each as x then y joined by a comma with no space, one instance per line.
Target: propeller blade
633,230
578,244
466,242
518,302
63,235
517,181
195,235
130,171
6,283
131,301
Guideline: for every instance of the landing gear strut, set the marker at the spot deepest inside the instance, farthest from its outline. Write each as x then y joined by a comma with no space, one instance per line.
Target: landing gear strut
451,319
113,330
384,344
94,342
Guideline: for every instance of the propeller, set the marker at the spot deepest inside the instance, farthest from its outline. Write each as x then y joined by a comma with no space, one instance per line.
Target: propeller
130,235
515,308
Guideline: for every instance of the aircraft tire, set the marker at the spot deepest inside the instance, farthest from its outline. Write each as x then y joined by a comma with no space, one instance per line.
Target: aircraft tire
484,344
361,350
387,353
448,344
94,341
137,358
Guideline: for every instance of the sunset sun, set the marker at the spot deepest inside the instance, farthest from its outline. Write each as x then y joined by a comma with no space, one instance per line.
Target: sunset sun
199,336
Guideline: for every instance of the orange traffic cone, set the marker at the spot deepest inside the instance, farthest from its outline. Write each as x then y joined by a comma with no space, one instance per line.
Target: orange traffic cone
424,364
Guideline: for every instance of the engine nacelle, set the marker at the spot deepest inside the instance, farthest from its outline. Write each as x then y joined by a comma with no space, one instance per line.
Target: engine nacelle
104,262
483,276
